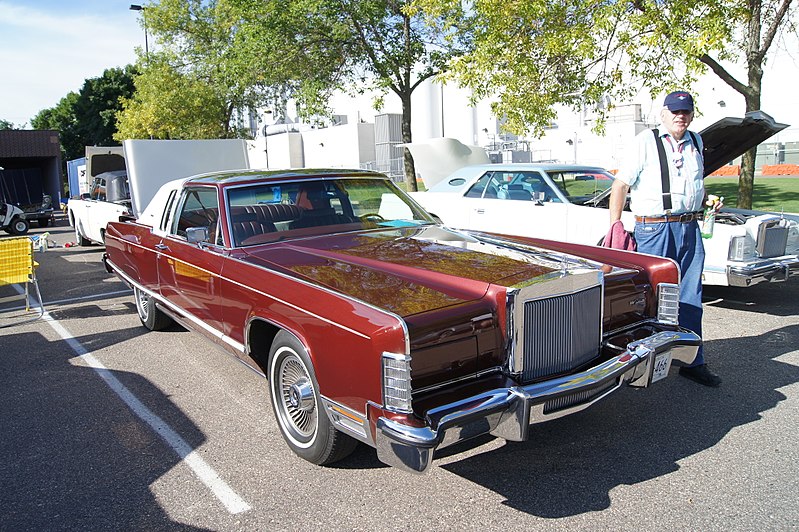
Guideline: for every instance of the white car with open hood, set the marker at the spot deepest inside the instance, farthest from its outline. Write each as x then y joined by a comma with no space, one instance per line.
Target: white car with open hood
569,203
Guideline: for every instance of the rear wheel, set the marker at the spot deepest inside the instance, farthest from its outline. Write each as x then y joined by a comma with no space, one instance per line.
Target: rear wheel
150,316
298,406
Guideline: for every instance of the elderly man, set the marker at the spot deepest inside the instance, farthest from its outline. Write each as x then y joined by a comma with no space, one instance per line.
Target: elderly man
664,175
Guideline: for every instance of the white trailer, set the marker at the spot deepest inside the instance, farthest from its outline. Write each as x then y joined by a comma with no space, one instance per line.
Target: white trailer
148,164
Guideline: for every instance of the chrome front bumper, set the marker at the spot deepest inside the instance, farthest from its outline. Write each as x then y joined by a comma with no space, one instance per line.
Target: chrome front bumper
508,412
770,270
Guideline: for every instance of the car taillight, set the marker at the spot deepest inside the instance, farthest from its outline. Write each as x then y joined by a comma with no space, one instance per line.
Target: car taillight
397,382
668,303
741,248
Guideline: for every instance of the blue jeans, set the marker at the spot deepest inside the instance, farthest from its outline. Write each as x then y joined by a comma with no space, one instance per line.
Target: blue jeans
681,242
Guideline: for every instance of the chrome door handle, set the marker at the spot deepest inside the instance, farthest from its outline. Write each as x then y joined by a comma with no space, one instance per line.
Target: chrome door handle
161,247
480,211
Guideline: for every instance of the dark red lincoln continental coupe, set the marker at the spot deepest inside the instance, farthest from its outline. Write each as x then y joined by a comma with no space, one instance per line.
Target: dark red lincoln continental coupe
374,323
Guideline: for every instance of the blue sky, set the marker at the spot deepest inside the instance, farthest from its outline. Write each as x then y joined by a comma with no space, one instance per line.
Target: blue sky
49,47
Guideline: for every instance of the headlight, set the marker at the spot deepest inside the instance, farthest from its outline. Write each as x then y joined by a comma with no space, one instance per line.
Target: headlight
397,382
741,248
668,303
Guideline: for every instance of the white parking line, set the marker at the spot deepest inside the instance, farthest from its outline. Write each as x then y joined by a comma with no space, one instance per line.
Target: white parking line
207,475
70,300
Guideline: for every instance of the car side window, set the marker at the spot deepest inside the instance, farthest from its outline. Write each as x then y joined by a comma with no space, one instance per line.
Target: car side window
485,187
98,189
199,208
539,190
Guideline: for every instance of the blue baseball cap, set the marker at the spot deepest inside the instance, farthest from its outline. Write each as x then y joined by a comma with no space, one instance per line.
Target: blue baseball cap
679,101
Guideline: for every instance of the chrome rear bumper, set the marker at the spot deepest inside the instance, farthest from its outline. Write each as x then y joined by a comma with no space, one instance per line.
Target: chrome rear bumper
508,412
770,270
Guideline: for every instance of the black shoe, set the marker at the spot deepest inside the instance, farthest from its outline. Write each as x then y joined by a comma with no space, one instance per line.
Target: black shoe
702,375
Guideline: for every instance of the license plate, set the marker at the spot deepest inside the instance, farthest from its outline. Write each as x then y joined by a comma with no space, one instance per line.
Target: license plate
661,366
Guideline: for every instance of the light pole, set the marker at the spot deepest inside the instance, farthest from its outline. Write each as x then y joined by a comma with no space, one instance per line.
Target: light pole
137,7
266,136
573,143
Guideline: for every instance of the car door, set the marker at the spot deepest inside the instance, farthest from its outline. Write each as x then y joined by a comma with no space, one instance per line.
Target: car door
188,273
516,203
91,227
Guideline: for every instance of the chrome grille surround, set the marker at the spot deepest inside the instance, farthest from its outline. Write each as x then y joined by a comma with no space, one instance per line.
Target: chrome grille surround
554,323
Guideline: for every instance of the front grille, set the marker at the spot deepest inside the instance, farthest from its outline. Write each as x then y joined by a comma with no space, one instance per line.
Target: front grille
561,333
577,398
771,239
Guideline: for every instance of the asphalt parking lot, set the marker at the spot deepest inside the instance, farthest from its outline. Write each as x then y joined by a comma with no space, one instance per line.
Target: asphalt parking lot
105,426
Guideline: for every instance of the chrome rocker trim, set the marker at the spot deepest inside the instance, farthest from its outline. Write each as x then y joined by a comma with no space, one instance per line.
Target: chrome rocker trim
763,271
508,412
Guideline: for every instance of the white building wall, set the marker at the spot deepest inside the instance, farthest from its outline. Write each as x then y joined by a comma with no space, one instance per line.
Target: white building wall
447,111
346,146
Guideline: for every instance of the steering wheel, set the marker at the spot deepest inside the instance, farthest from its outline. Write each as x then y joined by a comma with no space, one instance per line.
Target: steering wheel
372,217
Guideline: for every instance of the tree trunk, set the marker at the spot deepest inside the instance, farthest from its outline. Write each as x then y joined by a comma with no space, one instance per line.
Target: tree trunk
410,170
754,63
746,181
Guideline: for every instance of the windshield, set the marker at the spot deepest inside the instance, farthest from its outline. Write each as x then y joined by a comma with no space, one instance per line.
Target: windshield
310,207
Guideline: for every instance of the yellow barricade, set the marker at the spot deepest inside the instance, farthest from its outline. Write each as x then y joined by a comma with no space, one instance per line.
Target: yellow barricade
17,267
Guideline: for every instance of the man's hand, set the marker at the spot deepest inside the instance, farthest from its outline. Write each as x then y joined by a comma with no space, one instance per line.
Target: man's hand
714,202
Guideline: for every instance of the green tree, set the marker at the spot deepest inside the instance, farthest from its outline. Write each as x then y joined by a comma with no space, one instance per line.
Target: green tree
86,118
98,102
264,53
199,77
396,48
168,104
63,119
533,55
5,124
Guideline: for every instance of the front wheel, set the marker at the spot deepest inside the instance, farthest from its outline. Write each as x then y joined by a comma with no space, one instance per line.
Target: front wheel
298,406
150,316
19,226
79,238
43,222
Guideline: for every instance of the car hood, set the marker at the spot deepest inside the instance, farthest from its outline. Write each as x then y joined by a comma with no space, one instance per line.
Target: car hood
414,269
732,137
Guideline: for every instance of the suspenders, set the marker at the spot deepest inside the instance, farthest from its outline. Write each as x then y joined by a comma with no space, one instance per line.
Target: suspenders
664,168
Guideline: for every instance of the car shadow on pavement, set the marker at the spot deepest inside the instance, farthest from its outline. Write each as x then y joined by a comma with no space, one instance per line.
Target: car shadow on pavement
766,298
75,456
569,466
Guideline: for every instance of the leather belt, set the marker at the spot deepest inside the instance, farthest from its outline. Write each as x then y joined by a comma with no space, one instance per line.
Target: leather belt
683,218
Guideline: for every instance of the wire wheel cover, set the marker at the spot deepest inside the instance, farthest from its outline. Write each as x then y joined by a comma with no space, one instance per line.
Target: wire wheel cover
142,304
297,401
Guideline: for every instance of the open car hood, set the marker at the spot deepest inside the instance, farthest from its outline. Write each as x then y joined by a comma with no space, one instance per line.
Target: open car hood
731,137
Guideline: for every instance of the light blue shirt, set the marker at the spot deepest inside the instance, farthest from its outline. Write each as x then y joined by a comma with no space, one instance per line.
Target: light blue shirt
641,171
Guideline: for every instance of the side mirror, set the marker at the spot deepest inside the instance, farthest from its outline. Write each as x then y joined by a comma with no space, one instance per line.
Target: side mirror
85,196
197,235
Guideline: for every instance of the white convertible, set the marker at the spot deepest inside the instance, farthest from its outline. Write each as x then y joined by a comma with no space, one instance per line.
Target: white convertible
569,203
